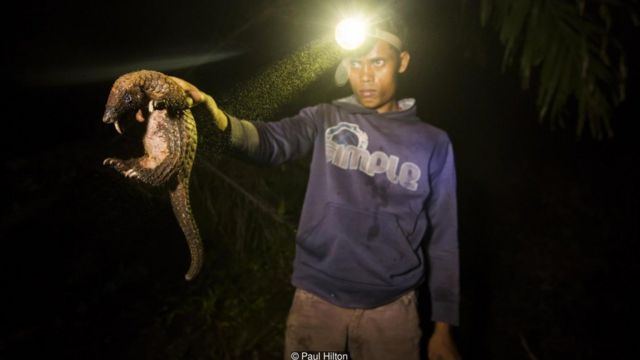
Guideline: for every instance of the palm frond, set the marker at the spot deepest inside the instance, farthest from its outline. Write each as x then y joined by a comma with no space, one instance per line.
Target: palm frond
570,46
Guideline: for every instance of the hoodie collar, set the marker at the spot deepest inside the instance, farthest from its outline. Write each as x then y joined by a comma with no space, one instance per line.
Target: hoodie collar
350,104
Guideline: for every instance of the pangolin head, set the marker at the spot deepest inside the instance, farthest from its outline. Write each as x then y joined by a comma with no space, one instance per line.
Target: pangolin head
125,98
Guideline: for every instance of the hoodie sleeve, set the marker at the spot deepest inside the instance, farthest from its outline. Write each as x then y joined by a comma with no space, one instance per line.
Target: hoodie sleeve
444,283
278,141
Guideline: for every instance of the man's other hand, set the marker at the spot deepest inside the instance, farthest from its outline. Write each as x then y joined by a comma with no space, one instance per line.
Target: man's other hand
441,345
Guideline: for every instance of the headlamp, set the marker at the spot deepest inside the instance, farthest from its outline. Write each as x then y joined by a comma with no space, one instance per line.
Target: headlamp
352,32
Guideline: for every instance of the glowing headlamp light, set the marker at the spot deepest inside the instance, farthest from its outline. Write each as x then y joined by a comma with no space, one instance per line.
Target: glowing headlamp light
351,33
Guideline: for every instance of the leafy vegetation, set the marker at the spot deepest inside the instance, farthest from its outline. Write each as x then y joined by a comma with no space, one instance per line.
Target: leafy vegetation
569,49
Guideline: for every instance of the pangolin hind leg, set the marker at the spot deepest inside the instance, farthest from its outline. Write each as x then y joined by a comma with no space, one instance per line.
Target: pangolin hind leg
131,168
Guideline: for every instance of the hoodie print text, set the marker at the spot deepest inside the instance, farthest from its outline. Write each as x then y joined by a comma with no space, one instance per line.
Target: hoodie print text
346,148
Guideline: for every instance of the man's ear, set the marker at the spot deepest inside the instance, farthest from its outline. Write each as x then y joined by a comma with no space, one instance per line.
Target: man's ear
404,62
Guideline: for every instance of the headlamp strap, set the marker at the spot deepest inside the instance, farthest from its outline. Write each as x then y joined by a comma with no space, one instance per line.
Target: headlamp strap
388,37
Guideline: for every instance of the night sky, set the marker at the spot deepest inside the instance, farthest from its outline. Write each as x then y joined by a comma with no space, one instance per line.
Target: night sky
549,232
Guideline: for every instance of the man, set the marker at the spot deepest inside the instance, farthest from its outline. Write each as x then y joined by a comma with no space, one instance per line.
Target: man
380,182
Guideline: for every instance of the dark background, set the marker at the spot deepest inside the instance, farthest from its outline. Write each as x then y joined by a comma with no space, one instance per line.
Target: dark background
549,231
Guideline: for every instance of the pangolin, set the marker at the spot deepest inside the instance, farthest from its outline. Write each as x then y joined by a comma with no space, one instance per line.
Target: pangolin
170,144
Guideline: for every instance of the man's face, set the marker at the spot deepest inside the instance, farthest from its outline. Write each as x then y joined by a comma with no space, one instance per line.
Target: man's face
373,76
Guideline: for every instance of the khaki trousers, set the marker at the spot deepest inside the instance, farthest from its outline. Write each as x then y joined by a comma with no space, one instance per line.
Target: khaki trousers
388,332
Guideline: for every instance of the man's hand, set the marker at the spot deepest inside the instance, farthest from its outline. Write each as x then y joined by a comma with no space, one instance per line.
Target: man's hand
192,91
199,97
441,345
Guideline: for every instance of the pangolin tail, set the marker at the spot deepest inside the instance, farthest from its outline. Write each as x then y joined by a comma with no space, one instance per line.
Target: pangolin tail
180,200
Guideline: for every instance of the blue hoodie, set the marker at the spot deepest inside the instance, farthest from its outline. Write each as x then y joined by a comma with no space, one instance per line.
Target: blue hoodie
378,185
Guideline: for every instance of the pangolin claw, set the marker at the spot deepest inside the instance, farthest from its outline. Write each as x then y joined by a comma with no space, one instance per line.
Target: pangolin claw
120,166
113,163
132,174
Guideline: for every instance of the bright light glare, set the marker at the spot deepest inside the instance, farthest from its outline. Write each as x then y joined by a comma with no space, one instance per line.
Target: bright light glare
351,33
